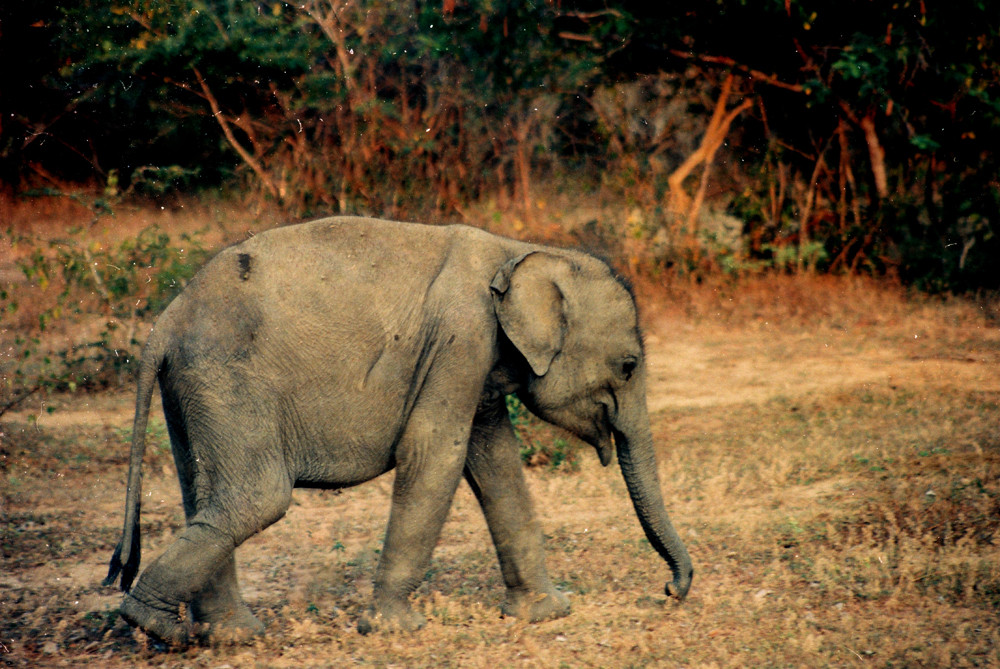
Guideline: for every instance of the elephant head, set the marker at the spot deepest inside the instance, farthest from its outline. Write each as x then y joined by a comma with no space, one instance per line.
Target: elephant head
575,325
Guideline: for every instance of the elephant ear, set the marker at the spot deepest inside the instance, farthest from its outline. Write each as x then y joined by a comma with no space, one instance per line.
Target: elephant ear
530,307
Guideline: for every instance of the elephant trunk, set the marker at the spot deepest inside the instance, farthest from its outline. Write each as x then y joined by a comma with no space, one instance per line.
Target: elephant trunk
636,456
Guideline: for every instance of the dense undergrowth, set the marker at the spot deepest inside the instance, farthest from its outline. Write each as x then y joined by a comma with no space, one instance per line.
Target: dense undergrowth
852,140
74,321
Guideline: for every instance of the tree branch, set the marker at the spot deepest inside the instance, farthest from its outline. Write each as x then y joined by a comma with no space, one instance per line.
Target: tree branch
715,134
807,209
12,403
877,155
227,130
725,61
331,25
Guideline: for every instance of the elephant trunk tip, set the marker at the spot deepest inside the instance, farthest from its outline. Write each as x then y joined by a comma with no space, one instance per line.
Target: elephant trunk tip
678,588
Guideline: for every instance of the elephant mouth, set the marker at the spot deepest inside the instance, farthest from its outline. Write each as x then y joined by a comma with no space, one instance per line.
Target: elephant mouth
605,450
602,440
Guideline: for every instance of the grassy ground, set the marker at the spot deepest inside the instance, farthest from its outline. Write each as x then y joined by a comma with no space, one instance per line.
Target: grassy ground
829,450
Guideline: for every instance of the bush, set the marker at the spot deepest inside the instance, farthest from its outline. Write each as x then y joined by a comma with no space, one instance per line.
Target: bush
77,279
540,447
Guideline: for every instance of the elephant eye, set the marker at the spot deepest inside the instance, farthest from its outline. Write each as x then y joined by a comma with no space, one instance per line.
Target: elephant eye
628,367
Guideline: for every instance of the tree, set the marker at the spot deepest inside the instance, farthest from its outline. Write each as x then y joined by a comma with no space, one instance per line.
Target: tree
871,129
850,136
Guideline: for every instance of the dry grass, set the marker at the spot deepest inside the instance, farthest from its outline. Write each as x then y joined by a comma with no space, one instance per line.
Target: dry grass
830,450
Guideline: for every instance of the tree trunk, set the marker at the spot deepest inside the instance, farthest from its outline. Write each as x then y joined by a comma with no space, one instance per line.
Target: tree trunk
680,202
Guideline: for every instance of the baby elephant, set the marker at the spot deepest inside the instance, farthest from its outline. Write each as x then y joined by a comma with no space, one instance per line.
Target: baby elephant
327,353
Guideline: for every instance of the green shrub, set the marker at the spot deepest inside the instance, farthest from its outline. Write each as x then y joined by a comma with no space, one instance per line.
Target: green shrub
123,285
539,446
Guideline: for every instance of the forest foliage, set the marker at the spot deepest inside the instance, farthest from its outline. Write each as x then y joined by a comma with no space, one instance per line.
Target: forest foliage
848,137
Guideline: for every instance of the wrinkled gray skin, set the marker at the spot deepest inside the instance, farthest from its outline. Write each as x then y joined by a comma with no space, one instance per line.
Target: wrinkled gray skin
326,354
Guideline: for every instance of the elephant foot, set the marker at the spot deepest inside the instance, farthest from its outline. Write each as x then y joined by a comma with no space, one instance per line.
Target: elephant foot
234,626
160,620
535,606
394,617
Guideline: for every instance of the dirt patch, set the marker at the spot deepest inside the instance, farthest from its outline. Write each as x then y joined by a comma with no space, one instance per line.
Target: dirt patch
707,366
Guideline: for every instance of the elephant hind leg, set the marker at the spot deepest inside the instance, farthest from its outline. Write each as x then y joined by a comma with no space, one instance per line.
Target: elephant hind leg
157,602
220,607
198,569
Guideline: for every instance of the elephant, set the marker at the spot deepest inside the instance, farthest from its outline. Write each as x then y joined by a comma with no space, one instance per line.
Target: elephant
326,353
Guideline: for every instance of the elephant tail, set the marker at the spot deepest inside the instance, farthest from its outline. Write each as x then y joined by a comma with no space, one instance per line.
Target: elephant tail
125,560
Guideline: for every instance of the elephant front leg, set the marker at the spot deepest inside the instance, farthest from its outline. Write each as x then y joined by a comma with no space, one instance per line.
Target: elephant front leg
429,467
494,471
